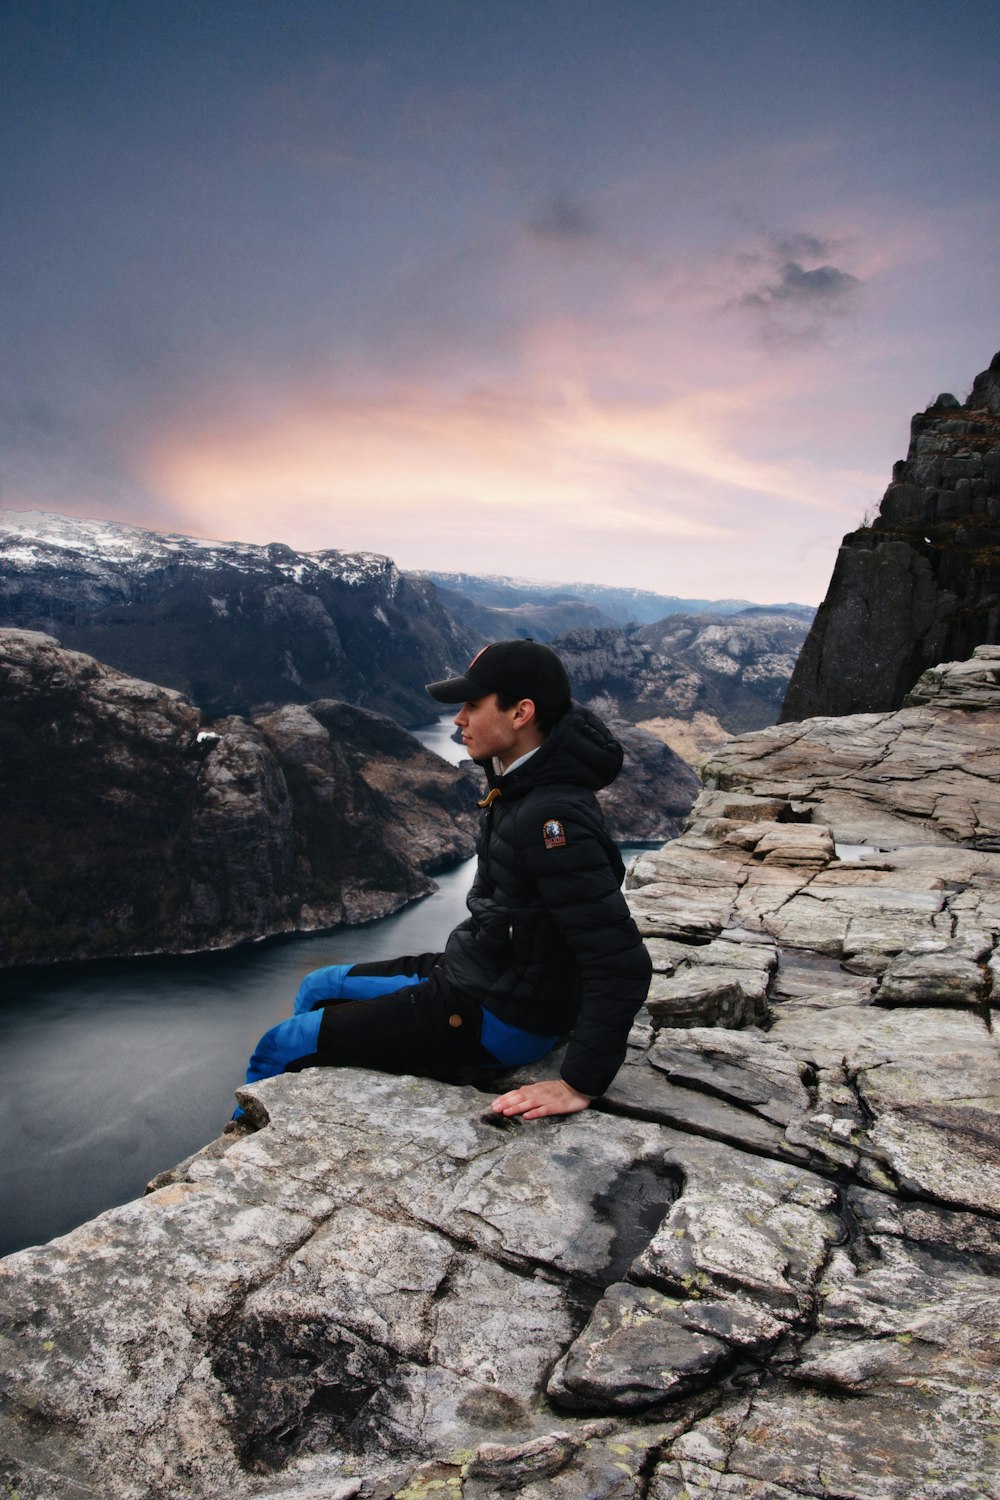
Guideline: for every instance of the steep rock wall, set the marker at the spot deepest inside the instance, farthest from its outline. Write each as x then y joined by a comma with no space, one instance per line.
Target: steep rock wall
130,825
922,583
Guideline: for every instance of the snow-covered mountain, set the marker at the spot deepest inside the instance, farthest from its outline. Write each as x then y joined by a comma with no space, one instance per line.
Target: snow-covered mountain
106,549
236,625
233,624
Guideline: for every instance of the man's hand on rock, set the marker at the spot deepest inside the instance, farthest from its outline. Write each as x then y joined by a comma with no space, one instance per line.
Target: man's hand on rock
533,1101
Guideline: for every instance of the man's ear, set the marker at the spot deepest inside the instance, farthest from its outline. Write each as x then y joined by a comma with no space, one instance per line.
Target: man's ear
524,713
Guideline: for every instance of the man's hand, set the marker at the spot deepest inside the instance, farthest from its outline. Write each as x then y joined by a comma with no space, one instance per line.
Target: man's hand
534,1101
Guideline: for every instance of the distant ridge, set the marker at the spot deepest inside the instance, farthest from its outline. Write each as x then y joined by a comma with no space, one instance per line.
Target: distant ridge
624,606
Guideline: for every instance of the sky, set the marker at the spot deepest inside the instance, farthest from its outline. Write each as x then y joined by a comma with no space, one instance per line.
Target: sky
630,292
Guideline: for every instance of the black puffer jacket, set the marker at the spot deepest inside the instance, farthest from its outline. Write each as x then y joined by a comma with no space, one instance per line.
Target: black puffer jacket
549,944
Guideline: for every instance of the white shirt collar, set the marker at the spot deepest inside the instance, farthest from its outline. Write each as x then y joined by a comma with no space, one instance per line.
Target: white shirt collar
498,769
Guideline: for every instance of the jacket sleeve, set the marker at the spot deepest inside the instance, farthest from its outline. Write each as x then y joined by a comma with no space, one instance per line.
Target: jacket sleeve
580,889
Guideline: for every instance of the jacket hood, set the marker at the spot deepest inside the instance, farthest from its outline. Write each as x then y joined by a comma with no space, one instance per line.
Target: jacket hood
580,751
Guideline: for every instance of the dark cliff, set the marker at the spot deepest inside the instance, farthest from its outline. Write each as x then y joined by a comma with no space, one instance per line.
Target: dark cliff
131,827
231,625
922,583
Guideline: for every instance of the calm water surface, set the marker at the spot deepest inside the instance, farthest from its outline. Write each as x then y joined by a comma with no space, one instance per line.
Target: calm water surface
112,1072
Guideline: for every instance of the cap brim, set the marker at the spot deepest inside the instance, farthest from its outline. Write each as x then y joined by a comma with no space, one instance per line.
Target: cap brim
456,690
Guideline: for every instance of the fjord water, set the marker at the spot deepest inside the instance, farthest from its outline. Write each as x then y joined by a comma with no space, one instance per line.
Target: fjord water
112,1072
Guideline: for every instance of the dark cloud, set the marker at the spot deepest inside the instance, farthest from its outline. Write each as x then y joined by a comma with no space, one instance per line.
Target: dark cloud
564,219
823,286
793,287
804,247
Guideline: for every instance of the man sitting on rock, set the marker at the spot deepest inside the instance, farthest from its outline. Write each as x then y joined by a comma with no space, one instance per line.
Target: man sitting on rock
549,946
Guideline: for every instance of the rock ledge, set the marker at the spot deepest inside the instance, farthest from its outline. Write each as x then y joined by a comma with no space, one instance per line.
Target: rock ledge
766,1266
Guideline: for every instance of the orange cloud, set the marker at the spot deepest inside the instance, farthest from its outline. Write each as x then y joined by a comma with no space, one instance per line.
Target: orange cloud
564,455
413,448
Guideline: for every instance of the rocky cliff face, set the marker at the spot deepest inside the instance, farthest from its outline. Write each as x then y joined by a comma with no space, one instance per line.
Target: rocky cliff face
232,626
922,583
132,826
692,680
765,1267
654,792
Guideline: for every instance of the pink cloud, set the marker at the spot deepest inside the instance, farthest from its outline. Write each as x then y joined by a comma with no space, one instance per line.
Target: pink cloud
649,436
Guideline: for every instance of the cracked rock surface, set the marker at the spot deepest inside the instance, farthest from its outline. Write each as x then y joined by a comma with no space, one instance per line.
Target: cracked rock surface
765,1265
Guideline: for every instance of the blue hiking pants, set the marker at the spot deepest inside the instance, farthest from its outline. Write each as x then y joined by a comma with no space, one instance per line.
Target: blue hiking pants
387,1015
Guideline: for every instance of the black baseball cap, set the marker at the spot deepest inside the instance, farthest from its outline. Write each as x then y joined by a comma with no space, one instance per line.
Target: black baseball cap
514,669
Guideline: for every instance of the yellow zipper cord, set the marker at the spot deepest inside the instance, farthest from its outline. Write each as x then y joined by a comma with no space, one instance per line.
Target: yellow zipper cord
489,800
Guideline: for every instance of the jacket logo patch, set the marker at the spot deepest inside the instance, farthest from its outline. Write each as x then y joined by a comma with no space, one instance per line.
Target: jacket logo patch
554,834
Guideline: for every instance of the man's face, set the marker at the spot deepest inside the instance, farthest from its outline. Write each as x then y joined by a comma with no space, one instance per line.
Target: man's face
488,730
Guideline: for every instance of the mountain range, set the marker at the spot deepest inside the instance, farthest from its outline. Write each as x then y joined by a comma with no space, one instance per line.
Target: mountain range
620,606
239,627
691,680
232,625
